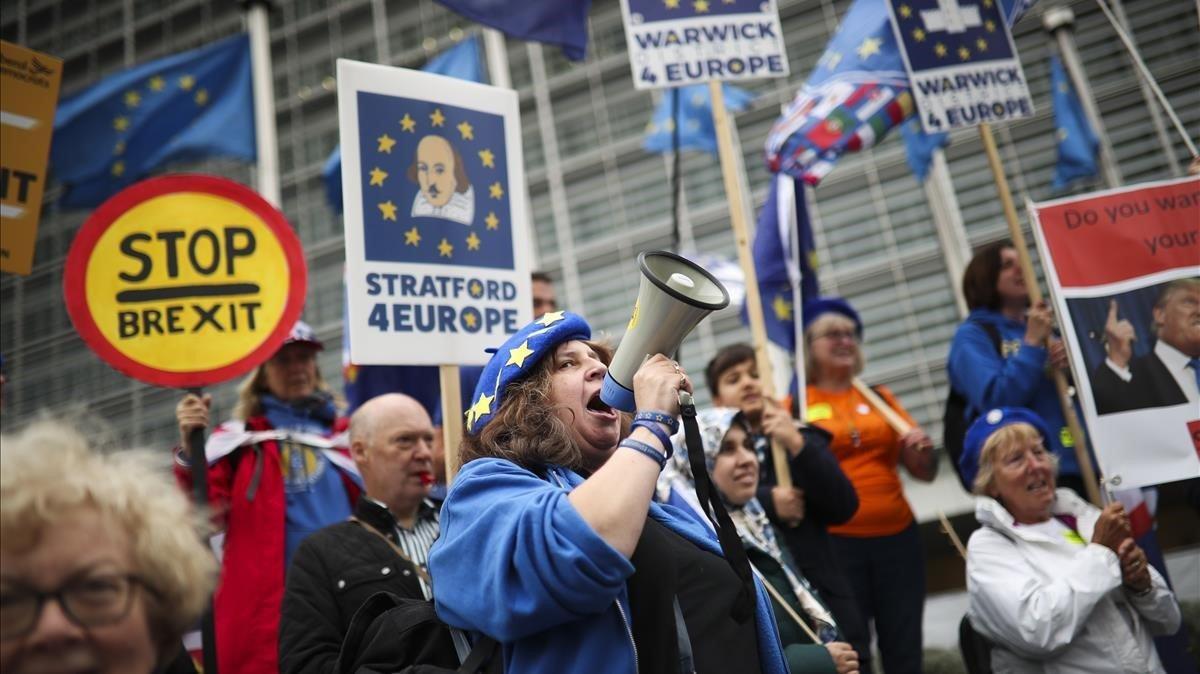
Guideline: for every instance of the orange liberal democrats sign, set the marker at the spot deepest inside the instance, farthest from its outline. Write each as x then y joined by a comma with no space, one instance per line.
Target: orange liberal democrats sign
28,95
185,280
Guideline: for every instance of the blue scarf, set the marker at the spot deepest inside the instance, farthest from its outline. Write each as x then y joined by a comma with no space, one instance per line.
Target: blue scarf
311,414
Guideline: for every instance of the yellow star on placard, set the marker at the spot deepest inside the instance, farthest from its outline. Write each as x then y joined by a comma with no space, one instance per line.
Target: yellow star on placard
989,26
118,168
412,237
488,159
119,148
700,5
905,11
157,83
378,175
437,118
407,123
987,3
981,44
671,4
187,82
939,49
465,128
550,318
481,407
201,97
385,143
389,210
476,289
964,53
132,99
445,248
918,35
491,220
782,308
121,123
469,320
518,355
495,191
868,47
472,242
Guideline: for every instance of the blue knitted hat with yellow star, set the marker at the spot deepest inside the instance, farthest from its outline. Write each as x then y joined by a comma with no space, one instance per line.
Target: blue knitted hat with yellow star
517,358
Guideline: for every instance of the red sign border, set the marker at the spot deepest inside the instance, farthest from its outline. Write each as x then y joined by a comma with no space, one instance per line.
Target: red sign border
75,276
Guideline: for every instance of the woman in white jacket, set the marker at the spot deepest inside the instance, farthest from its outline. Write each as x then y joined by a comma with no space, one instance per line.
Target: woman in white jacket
1055,584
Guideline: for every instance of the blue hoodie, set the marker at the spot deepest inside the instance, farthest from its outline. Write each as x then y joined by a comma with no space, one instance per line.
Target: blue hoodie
1015,379
516,561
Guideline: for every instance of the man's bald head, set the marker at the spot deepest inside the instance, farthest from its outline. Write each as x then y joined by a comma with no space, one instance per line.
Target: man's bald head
390,438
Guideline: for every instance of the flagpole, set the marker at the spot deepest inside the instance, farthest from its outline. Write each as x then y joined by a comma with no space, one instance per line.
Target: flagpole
736,198
947,220
257,25
1058,21
1088,473
797,279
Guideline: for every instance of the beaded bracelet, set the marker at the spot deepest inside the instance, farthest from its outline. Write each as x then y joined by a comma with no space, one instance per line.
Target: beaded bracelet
647,451
658,432
663,418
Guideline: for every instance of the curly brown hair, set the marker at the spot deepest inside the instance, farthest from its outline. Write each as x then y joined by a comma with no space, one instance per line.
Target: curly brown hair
526,429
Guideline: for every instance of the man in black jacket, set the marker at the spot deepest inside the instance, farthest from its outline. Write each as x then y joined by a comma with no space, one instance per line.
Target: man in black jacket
384,546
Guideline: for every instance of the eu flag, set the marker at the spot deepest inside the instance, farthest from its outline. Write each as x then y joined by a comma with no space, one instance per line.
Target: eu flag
1077,142
782,222
187,106
462,61
920,146
858,91
694,121
557,22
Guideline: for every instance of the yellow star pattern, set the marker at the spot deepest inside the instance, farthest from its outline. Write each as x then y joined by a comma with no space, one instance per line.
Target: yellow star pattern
436,118
389,210
385,143
201,97
132,99
989,26
518,355
118,168
470,320
700,5
467,131
671,4
187,82
378,175
412,237
445,248
121,123
157,83
905,11
476,289
119,148
939,49
918,35
869,46
481,407
491,220
782,308
550,318
472,242
964,53
495,191
981,45
488,159
987,3
407,123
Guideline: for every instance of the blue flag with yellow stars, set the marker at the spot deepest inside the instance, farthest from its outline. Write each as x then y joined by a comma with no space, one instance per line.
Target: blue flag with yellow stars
1077,142
182,107
462,61
858,91
782,221
557,22
695,120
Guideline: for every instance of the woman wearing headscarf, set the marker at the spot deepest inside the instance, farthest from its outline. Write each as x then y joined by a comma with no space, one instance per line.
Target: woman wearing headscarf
880,547
1056,584
575,574
275,475
800,611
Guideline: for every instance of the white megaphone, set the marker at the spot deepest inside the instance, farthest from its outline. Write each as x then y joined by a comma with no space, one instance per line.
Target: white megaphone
675,295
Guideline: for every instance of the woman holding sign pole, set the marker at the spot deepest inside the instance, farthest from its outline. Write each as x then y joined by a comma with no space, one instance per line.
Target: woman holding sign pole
277,476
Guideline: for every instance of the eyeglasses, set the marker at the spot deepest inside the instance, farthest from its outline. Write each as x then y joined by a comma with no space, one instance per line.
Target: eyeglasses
88,601
837,335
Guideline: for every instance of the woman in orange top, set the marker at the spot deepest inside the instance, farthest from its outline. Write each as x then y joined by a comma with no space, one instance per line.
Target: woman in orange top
879,547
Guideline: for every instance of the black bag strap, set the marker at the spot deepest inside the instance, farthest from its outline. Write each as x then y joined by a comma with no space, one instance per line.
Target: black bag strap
731,544
481,654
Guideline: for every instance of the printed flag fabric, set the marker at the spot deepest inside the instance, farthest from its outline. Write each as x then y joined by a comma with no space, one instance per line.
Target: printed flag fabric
1077,142
857,92
558,22
920,146
695,120
186,106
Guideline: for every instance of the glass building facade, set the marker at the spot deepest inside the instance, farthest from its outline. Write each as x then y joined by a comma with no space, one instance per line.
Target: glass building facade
596,198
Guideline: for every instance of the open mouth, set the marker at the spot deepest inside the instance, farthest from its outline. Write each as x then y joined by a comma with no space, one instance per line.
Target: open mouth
1037,485
597,406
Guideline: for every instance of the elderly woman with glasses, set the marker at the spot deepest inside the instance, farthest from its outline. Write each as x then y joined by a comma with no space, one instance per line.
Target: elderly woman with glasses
102,568
1056,584
550,543
879,547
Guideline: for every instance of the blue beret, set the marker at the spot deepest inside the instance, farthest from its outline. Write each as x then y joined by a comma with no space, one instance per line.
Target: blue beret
824,305
517,358
989,422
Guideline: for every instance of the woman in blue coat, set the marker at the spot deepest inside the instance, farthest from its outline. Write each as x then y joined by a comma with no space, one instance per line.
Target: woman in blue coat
550,543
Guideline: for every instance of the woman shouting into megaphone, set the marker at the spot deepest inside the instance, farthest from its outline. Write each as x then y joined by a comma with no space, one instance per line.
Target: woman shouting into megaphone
585,574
